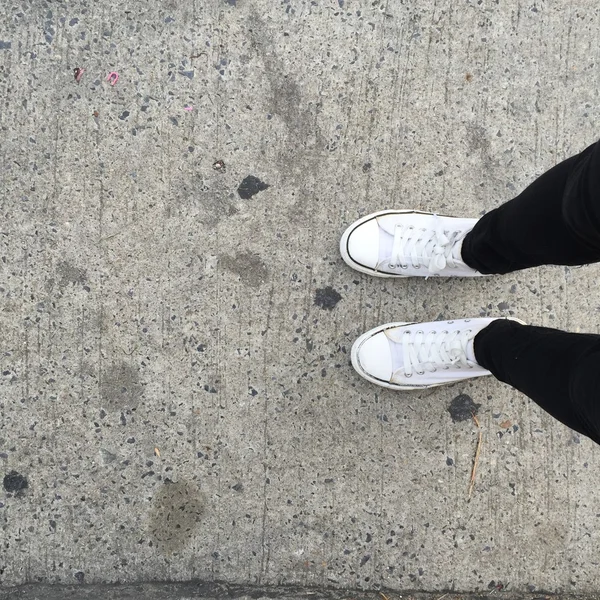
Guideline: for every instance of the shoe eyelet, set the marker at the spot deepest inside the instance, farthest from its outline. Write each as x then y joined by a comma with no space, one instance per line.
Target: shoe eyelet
420,331
417,267
450,322
407,375
404,266
435,369
392,266
445,332
420,372
446,368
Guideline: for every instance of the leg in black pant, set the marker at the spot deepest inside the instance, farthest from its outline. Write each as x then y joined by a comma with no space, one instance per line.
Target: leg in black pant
560,371
556,220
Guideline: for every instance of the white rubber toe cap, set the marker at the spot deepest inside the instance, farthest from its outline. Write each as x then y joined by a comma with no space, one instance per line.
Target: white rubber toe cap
362,244
373,357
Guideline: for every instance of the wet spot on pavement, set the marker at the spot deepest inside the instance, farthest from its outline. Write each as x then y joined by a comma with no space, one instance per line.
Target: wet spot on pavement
248,266
177,509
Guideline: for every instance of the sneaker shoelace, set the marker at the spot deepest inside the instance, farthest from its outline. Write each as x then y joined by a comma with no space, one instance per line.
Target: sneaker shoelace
433,248
434,350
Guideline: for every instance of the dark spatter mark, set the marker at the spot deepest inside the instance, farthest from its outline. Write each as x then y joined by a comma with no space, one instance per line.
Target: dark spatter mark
248,266
462,408
175,515
69,274
366,167
238,487
124,115
250,187
188,74
365,560
15,483
503,306
327,298
449,461
80,576
120,386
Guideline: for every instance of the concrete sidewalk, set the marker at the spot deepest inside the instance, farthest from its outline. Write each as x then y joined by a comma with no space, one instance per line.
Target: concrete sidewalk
176,396
203,591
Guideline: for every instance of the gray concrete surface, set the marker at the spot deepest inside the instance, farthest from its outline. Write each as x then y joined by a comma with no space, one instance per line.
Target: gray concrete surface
176,393
210,591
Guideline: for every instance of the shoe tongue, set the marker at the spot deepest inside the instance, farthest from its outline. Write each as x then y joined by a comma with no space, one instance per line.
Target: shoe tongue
471,351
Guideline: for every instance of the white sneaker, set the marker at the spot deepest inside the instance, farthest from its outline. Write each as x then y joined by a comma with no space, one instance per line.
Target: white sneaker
412,356
407,243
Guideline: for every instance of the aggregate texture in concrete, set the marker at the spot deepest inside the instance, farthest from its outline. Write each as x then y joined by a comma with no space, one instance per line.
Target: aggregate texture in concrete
216,591
176,396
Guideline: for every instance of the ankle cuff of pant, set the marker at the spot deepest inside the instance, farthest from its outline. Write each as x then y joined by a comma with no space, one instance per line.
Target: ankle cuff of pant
487,339
466,254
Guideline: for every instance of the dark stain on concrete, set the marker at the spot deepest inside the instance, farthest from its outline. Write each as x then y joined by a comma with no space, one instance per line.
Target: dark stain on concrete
248,266
15,483
177,509
120,386
462,408
327,298
69,274
250,187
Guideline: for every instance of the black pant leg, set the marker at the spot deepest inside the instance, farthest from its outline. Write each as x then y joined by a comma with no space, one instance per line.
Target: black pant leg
559,371
548,223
